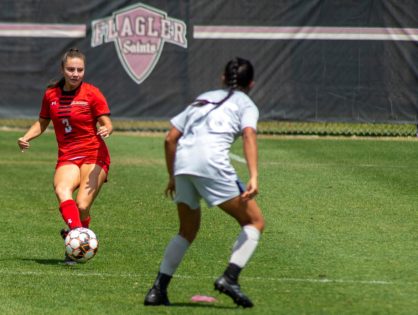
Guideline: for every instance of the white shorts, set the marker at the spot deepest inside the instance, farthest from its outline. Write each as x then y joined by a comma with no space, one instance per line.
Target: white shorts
190,189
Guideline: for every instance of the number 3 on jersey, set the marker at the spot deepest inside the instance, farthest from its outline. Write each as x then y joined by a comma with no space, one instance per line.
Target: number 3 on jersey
67,125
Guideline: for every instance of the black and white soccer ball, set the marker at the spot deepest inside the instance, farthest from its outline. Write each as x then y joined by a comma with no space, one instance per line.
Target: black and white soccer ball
81,244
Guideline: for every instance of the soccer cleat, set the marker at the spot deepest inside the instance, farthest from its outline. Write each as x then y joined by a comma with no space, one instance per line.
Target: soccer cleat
156,297
233,291
68,261
64,233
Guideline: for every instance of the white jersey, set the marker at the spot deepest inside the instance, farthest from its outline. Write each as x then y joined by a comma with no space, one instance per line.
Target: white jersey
209,131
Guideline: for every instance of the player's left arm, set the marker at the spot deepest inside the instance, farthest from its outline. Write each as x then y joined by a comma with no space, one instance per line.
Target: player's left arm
170,146
249,136
100,110
105,126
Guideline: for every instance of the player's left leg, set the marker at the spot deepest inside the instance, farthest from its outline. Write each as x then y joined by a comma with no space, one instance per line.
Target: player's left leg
92,177
249,216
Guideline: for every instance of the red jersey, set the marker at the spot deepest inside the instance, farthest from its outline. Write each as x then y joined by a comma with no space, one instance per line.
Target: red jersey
74,115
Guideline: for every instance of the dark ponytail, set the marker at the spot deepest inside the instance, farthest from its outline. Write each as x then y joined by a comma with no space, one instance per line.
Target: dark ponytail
204,102
238,75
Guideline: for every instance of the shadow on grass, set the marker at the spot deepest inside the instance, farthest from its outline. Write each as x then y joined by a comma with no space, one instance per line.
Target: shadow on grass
51,262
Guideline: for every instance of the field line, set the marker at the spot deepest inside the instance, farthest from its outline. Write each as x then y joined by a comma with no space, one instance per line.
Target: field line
79,273
237,158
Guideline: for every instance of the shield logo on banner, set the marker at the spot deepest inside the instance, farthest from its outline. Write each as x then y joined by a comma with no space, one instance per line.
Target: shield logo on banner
139,33
139,45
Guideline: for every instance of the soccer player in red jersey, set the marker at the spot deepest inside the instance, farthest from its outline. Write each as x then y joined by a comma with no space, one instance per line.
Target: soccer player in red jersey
80,115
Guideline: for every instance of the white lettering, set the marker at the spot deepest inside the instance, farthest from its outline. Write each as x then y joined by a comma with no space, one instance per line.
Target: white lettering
130,47
126,28
99,33
166,29
170,30
151,31
140,26
111,31
179,33
104,30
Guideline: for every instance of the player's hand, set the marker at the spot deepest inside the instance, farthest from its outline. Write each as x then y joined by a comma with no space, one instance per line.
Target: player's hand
23,144
251,190
103,132
171,188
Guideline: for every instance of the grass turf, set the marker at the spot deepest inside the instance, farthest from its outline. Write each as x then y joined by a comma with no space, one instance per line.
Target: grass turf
341,235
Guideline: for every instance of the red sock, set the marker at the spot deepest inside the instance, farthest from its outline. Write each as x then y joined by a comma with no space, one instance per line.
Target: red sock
86,222
70,214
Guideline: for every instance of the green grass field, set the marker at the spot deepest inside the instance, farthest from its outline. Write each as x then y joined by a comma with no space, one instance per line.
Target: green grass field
341,234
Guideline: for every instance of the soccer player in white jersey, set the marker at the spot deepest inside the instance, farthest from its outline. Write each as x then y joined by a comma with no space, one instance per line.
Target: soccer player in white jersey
197,159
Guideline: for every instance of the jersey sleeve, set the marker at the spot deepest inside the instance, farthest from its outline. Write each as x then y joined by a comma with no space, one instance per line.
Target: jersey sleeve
180,120
249,116
44,113
100,104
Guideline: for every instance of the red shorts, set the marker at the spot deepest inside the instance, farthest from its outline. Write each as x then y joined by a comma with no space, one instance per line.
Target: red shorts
86,160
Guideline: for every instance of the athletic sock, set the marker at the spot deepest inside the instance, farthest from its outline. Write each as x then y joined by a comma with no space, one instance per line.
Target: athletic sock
86,222
173,255
245,246
70,214
232,272
162,281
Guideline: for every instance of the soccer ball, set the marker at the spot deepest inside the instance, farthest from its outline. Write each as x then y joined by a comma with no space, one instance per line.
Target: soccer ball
81,244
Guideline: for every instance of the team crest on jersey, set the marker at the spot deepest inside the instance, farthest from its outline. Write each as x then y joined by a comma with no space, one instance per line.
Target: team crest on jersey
139,33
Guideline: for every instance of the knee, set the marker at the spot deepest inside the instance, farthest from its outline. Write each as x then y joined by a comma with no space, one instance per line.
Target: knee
63,193
189,233
189,236
258,222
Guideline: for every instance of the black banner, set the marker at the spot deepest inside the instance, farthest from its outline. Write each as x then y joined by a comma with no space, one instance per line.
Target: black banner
315,60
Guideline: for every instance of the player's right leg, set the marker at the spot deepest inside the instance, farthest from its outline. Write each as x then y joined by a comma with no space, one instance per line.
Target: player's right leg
66,181
188,208
174,253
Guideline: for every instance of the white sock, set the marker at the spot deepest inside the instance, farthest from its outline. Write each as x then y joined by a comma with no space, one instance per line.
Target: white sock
174,253
245,245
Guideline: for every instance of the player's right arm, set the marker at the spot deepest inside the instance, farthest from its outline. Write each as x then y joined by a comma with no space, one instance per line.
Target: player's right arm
34,131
